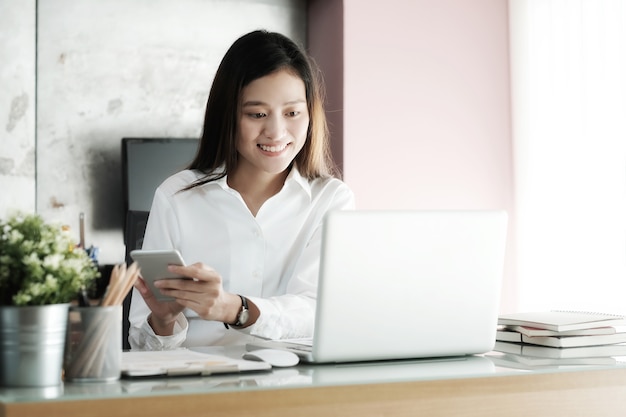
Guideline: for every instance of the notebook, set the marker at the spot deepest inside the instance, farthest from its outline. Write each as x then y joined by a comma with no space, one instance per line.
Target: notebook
405,284
185,362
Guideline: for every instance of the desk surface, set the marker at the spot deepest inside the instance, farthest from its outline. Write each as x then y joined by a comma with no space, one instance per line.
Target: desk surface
469,386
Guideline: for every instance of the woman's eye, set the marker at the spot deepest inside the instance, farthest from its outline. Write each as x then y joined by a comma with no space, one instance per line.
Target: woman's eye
293,113
256,115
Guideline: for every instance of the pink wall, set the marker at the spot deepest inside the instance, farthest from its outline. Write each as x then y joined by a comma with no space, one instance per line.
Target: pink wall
426,103
325,24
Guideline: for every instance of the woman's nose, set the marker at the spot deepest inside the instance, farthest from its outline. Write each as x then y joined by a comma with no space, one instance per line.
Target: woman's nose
275,127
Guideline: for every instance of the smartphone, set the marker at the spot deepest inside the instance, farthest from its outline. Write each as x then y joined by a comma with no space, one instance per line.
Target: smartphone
153,264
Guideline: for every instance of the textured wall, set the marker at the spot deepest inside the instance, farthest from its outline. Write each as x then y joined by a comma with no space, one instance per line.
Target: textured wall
17,105
107,70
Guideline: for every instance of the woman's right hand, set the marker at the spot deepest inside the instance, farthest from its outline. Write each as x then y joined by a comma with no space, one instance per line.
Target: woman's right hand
164,313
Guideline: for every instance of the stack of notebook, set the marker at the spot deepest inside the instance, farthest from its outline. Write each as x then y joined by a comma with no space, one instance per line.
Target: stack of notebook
561,338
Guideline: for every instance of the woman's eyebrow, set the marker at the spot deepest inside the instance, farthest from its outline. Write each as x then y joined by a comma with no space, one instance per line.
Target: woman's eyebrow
253,103
261,103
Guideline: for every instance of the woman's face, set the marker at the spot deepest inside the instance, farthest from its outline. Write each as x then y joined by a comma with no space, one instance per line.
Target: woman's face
273,122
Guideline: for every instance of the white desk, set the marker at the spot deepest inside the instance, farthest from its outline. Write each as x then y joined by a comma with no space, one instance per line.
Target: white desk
471,386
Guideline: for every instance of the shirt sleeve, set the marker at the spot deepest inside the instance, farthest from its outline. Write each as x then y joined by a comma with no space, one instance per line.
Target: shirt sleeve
142,337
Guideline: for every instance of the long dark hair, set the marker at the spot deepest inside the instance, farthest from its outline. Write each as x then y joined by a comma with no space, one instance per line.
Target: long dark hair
253,56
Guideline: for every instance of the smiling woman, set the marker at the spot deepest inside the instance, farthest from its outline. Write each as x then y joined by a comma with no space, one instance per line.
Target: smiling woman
247,214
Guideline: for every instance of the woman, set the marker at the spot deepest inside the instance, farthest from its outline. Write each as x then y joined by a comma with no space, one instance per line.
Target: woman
247,213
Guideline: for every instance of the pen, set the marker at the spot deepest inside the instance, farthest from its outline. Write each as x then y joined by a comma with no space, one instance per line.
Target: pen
81,220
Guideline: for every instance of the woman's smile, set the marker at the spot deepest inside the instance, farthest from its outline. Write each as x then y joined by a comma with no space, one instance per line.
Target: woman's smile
273,148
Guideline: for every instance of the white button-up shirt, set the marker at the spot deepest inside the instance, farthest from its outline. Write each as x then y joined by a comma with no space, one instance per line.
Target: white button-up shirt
273,258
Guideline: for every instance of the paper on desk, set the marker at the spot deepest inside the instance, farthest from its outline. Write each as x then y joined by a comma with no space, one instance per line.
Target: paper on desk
178,362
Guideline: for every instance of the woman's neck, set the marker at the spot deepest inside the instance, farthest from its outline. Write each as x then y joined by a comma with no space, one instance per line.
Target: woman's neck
256,188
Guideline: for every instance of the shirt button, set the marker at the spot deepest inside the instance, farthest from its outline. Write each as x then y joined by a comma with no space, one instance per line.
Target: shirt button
255,274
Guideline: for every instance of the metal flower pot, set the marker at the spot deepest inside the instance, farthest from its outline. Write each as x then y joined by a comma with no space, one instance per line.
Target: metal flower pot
32,342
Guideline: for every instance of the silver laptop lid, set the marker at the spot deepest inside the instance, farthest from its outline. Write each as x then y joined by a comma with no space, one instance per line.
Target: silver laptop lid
408,284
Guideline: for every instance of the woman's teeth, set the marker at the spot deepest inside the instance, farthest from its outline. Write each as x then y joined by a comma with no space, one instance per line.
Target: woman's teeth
272,148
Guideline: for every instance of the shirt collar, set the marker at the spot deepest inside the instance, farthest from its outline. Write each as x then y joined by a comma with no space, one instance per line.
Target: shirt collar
221,182
294,177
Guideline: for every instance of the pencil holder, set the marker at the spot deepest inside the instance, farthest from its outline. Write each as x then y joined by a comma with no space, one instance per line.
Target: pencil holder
93,348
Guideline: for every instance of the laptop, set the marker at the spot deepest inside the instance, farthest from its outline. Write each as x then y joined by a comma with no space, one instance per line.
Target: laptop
405,284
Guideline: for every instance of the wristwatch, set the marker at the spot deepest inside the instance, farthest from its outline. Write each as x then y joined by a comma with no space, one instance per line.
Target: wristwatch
243,315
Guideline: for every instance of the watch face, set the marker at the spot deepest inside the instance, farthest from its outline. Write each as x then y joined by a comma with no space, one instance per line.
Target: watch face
243,317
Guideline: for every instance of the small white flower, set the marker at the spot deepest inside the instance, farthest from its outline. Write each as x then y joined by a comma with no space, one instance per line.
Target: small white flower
15,236
53,261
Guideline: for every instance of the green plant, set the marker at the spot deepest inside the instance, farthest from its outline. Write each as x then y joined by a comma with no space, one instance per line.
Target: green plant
40,263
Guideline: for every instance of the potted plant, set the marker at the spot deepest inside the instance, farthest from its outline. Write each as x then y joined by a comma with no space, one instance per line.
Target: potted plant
41,271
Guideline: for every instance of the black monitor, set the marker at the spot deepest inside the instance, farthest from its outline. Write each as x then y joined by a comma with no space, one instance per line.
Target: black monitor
147,162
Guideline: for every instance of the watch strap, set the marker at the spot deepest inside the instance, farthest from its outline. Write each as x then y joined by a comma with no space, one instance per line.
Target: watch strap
242,316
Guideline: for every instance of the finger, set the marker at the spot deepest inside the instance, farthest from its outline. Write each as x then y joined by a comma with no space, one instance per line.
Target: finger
203,309
146,293
191,291
179,284
184,298
141,286
197,271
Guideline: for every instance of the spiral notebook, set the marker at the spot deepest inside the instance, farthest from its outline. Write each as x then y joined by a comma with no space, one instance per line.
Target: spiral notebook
405,284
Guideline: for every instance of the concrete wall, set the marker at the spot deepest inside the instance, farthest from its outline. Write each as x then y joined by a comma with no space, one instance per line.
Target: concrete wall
17,105
108,70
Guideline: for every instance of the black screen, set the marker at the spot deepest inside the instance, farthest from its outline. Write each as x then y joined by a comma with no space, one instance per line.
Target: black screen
148,162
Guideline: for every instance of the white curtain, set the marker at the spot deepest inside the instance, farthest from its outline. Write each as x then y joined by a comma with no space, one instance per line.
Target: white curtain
568,67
